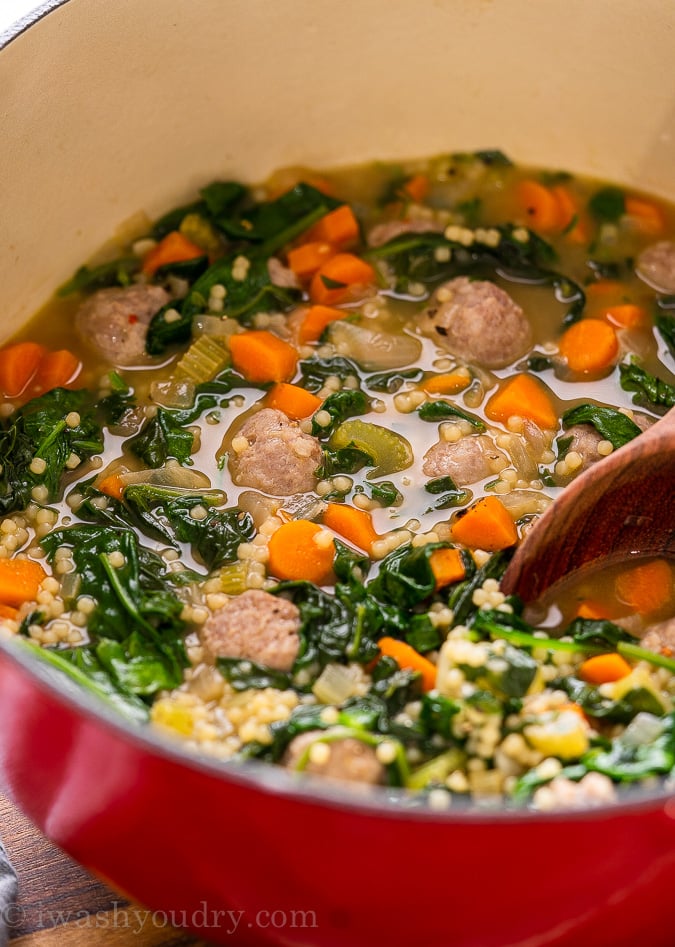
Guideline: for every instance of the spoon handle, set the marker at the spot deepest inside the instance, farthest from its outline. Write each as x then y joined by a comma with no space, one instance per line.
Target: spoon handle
620,507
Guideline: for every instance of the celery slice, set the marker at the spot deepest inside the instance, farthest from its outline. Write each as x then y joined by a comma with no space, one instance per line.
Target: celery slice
390,451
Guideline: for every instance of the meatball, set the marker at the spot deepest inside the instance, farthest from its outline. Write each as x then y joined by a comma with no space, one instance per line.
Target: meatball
477,321
585,440
346,759
660,636
255,626
115,321
388,229
280,459
468,460
281,275
656,266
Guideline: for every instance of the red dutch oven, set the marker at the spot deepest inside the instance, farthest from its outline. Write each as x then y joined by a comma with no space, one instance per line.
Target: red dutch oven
109,108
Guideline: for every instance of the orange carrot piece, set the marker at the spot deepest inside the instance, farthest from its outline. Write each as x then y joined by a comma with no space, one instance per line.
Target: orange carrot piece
316,320
539,205
447,566
20,581
605,287
262,357
646,588
6,611
306,259
339,227
294,553
294,401
18,365
56,370
447,384
485,525
174,248
572,222
604,668
625,315
417,188
354,525
407,658
344,269
589,346
590,608
112,485
523,396
648,216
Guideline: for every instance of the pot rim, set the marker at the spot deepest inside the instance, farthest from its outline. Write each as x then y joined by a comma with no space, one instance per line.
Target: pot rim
392,804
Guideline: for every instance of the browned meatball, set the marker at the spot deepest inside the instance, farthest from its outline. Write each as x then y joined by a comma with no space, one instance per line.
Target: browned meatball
388,229
477,321
660,636
585,440
656,266
115,321
255,626
466,461
280,458
346,759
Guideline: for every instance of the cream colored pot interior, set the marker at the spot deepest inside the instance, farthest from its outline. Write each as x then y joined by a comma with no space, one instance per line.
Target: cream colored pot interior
113,107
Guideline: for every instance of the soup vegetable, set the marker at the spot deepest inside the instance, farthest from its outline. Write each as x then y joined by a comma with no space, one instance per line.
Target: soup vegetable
271,454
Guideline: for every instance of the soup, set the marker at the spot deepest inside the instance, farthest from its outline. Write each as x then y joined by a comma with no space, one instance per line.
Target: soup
272,453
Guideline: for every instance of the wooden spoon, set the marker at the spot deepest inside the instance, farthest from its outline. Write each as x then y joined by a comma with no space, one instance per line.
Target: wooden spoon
620,507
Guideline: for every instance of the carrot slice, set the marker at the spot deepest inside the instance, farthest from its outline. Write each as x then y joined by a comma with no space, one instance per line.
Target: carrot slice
332,283
485,525
417,188
625,315
316,320
294,553
112,486
406,657
20,581
539,205
448,384
56,370
447,566
174,248
572,222
598,611
262,357
355,525
646,588
648,216
294,401
6,611
589,346
604,668
18,365
522,396
605,287
339,227
305,260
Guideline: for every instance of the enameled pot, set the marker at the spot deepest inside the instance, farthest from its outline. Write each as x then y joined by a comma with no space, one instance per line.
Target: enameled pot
109,108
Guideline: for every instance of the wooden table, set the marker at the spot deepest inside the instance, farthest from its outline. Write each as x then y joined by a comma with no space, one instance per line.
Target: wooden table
62,905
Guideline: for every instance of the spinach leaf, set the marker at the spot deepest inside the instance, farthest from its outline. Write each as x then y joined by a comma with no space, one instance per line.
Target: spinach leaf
447,491
315,371
421,634
665,325
134,607
441,410
115,273
607,204
174,218
611,424
220,199
460,599
341,405
162,437
346,460
390,382
116,407
493,157
84,668
437,715
215,538
651,391
350,567
39,430
406,578
626,761
597,632
385,493
244,674
595,704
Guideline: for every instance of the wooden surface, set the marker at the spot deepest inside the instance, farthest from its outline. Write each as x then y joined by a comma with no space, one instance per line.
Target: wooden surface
62,905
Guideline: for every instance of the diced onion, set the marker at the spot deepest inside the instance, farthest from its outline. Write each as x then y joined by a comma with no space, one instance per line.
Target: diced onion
334,685
374,350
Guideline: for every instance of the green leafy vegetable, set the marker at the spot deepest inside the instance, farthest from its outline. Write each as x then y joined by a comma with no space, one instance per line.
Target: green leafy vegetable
160,438
315,371
441,410
115,273
390,382
340,405
613,425
651,391
607,204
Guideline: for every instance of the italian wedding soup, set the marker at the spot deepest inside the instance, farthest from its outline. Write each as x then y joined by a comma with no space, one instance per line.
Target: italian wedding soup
265,459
